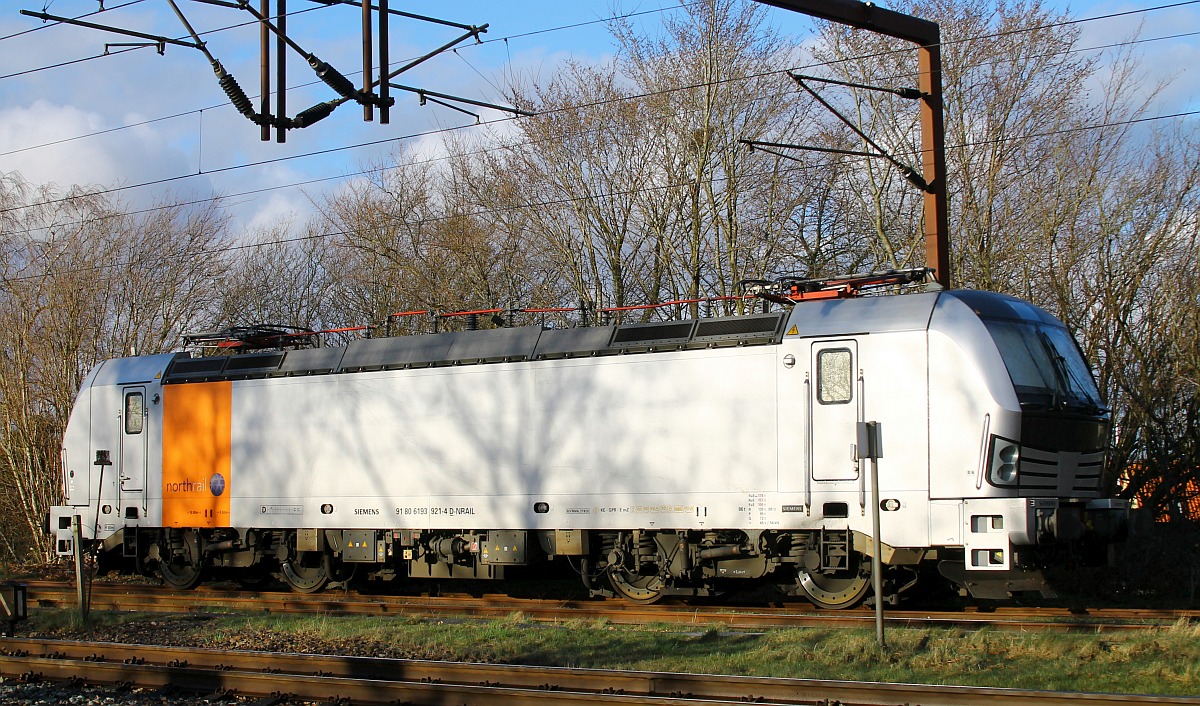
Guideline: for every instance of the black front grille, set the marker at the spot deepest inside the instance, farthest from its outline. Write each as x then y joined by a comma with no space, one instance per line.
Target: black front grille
1051,472
1055,432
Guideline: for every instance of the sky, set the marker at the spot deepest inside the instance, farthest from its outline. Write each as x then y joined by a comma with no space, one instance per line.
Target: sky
156,126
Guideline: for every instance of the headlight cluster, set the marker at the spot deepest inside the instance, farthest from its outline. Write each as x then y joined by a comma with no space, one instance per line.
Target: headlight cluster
1005,462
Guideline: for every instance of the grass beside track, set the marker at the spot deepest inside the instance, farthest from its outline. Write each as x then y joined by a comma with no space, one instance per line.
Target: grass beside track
1162,662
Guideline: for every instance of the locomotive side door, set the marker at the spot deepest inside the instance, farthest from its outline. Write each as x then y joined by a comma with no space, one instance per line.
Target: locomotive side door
833,411
132,468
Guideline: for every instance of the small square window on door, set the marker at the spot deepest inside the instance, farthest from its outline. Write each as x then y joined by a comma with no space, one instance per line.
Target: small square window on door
834,376
133,413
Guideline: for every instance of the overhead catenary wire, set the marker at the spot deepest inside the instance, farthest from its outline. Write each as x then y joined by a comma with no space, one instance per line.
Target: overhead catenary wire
106,54
77,17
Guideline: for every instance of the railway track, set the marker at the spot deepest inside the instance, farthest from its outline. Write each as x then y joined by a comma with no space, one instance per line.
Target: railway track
281,677
129,597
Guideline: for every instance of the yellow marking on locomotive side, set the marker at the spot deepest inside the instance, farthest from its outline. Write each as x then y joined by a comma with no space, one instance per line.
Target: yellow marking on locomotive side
793,331
197,434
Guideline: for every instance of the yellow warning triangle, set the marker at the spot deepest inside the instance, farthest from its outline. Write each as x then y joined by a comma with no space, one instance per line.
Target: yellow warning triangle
793,331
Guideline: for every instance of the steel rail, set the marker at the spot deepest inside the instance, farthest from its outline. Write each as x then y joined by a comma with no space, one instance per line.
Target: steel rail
152,598
378,680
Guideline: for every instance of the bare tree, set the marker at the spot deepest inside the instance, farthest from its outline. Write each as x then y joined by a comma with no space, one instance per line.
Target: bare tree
82,280
635,172
48,339
712,77
1142,321
879,210
582,170
280,277
430,235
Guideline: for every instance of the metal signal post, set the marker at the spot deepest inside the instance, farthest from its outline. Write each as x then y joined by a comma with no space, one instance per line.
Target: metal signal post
870,446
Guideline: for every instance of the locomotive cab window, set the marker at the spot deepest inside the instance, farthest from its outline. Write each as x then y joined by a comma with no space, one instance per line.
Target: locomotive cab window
834,376
133,413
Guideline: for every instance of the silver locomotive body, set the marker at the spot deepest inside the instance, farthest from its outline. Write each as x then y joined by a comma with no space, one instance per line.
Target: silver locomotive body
666,457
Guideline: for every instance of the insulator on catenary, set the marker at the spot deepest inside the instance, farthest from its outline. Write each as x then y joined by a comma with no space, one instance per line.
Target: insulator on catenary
236,95
333,78
308,116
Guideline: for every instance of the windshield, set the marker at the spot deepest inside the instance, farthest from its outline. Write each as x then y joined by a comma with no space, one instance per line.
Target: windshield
1045,365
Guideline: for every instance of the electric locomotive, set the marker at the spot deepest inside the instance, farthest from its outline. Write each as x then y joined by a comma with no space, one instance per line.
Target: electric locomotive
668,458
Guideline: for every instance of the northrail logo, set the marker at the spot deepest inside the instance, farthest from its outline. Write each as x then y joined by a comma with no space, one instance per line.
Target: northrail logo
215,485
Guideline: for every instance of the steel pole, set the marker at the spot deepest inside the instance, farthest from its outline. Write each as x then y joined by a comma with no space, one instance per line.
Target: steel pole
281,71
384,64
77,542
264,73
933,163
368,55
877,558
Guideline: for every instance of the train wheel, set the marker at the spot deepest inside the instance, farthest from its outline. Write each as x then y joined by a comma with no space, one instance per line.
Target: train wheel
836,592
638,588
307,572
183,564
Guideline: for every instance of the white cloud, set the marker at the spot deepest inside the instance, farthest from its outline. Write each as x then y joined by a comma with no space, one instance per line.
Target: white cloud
124,156
40,123
278,211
